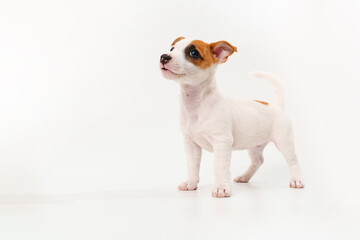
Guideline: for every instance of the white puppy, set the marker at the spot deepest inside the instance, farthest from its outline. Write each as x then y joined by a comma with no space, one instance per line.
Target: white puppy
218,124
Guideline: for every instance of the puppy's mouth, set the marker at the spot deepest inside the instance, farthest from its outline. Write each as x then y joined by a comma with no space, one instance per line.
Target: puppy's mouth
166,70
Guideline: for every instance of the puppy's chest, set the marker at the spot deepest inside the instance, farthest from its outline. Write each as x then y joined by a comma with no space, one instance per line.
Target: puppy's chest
197,132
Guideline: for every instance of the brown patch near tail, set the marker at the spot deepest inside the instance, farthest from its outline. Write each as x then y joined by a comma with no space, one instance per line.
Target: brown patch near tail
176,40
206,58
265,103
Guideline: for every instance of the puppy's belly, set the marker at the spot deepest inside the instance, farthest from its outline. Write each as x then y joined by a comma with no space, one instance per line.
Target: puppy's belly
239,144
243,144
242,140
247,138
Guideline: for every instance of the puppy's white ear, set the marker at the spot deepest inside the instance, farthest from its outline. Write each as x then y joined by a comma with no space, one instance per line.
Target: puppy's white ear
222,50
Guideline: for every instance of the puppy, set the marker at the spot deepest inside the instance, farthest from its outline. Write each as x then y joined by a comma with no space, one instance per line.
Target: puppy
216,123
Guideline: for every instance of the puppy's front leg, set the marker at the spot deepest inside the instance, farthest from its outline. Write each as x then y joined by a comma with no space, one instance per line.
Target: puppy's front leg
222,159
193,157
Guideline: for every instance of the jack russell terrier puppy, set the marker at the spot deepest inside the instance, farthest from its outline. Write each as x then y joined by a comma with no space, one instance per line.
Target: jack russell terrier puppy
216,123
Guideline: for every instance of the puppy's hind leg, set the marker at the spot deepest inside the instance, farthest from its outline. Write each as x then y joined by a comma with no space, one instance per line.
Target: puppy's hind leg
284,141
257,160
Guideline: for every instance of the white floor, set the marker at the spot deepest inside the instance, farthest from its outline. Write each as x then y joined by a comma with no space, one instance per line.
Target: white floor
255,211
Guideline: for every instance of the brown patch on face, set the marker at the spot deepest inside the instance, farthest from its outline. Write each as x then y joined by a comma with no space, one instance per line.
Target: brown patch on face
176,40
204,58
265,103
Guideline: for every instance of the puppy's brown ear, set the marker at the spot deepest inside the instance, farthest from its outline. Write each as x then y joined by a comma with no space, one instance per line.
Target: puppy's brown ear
176,40
222,50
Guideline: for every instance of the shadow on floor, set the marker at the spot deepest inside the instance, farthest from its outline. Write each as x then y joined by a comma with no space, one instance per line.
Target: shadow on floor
149,193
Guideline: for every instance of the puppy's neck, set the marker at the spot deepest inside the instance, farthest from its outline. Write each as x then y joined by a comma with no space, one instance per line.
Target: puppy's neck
193,95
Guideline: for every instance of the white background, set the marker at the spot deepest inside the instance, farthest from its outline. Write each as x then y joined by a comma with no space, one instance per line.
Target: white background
89,139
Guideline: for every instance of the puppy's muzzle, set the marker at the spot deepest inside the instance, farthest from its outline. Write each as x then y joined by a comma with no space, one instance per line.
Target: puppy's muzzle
165,58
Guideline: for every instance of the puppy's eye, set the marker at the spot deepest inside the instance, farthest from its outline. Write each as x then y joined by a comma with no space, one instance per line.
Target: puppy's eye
194,53
171,49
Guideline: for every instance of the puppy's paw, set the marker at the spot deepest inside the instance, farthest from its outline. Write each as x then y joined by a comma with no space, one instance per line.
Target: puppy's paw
242,179
188,186
221,191
296,183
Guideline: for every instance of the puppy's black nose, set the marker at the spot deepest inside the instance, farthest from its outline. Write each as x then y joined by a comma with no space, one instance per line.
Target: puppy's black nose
165,58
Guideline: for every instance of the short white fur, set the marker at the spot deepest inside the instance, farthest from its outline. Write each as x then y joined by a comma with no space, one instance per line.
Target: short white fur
216,123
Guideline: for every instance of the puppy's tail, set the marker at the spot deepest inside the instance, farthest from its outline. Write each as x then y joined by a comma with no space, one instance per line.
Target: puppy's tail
278,93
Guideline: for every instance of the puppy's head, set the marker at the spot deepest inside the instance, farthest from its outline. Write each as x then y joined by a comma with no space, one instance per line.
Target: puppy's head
193,61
